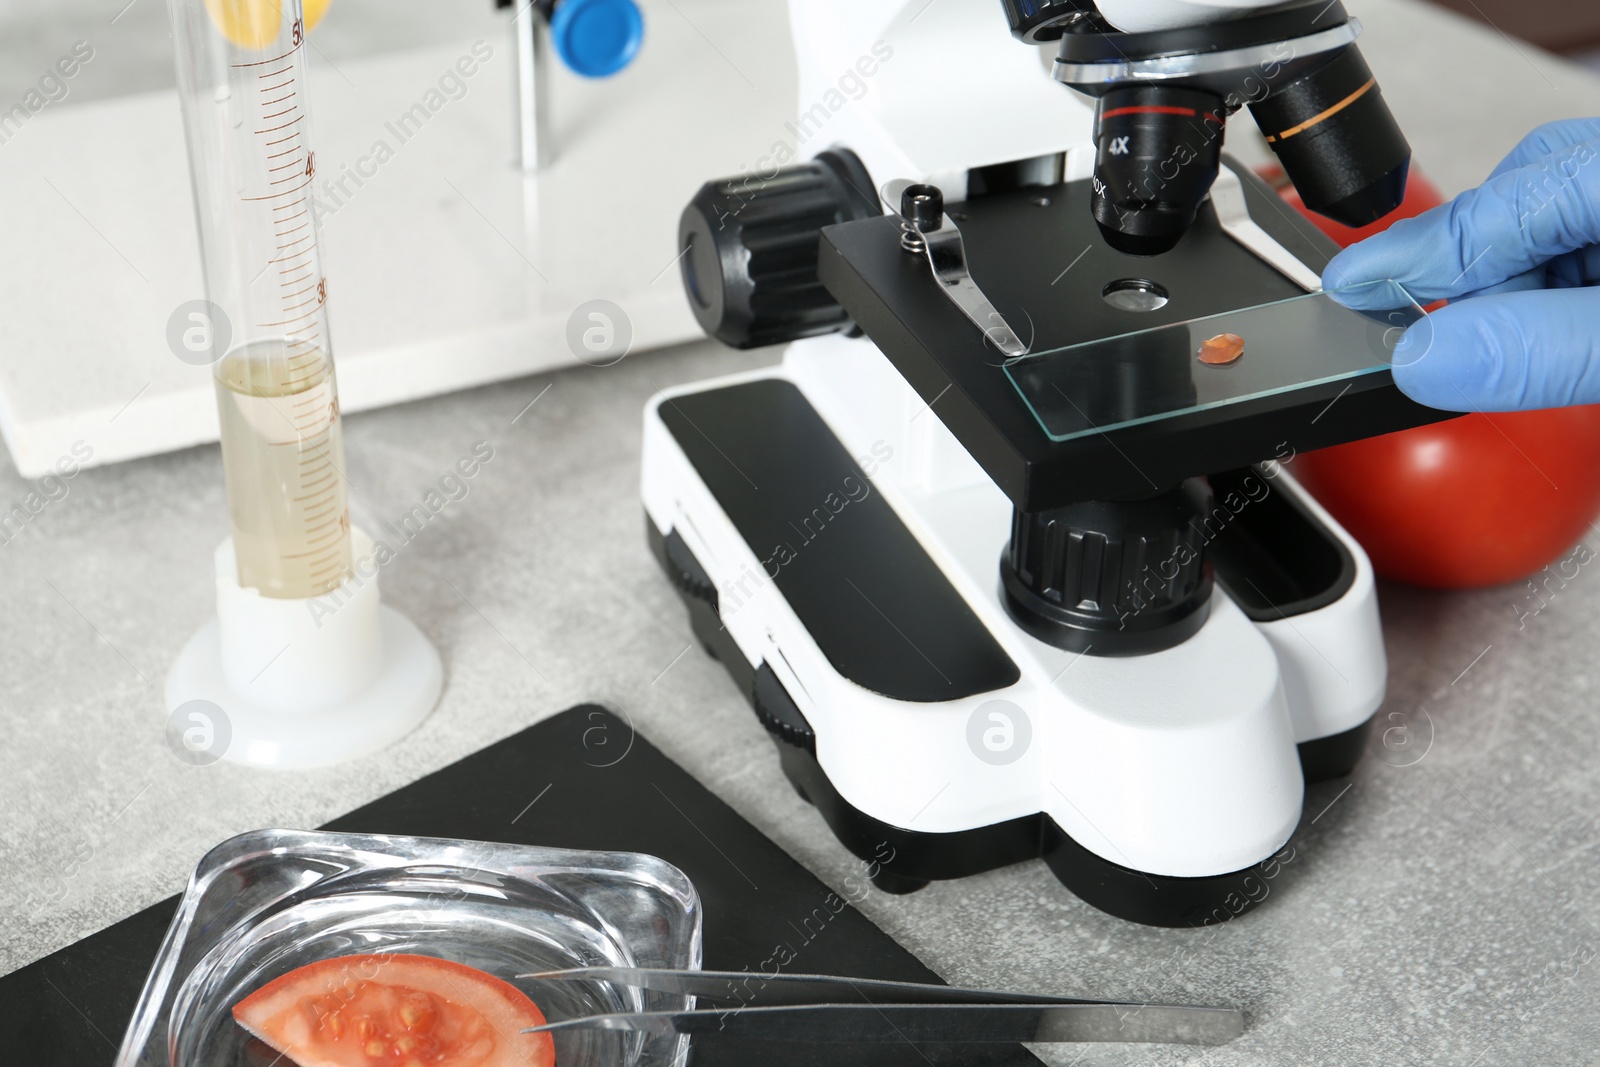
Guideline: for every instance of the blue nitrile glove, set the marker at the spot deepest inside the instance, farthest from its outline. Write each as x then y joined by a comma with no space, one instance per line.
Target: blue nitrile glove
1519,257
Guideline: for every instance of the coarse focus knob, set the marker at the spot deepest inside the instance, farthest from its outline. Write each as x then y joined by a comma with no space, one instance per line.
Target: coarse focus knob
1113,578
750,245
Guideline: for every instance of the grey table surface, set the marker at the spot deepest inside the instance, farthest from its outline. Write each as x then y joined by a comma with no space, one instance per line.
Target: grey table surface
1440,905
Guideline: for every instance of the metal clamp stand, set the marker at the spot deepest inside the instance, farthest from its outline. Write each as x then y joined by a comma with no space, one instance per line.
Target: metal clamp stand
532,37
594,38
530,41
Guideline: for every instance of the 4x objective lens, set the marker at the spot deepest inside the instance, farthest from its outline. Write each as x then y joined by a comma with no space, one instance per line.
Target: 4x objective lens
1158,149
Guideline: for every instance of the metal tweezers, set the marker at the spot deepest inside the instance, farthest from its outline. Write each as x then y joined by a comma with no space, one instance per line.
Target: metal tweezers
810,1008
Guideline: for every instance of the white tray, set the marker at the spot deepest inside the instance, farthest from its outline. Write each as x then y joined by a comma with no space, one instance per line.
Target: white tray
447,269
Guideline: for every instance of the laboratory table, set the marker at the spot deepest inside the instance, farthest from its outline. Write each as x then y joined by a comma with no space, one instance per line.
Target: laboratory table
1440,905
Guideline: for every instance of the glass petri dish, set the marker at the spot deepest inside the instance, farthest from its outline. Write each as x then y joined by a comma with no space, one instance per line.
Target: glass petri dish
264,903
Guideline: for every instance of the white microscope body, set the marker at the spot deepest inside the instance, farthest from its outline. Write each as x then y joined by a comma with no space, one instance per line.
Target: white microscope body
1181,764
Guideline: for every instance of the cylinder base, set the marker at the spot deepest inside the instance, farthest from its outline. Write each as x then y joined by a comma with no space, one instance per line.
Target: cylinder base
305,683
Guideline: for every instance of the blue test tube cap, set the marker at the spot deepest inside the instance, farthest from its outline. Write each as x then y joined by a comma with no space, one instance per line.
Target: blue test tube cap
597,38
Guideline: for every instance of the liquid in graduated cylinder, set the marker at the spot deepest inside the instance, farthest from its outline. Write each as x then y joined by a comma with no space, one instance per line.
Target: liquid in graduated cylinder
283,454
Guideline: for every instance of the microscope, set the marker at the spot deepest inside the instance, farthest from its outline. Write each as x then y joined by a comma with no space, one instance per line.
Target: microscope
1004,554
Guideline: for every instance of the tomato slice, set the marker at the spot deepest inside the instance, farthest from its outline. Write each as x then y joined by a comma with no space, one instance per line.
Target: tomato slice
396,1010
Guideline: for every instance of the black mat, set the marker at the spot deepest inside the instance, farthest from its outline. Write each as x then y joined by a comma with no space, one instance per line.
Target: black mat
579,780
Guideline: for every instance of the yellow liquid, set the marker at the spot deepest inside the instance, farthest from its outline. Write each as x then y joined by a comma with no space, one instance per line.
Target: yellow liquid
283,454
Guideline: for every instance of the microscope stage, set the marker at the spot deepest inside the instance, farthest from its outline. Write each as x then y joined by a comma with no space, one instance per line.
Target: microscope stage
1038,257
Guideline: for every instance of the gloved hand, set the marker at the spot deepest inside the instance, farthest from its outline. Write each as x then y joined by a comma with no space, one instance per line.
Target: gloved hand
1519,259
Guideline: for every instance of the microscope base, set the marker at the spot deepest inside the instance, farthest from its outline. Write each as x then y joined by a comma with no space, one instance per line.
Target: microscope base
886,729
904,861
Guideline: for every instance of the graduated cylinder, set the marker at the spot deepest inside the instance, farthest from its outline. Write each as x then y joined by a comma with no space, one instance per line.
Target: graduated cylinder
242,82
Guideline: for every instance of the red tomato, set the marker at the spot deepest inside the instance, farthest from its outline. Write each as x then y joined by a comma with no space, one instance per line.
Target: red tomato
394,1010
1475,501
